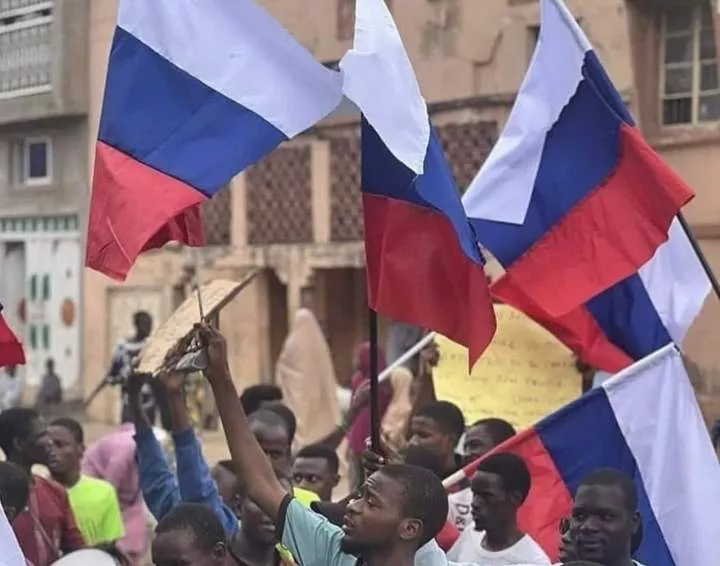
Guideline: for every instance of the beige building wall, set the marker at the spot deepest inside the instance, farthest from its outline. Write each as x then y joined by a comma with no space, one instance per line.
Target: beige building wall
470,57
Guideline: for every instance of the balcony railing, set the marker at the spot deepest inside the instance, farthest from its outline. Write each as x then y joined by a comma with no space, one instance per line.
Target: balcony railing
26,47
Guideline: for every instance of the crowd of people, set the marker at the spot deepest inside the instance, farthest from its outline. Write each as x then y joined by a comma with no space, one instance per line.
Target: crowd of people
281,501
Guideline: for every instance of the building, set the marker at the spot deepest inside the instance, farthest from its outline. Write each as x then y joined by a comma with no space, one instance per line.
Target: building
43,179
296,215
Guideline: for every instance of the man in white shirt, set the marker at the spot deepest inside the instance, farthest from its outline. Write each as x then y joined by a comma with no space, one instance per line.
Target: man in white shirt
499,487
480,438
605,522
10,388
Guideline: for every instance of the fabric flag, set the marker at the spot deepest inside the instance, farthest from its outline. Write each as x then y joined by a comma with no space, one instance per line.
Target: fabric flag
571,200
195,93
666,451
11,350
633,318
10,553
424,266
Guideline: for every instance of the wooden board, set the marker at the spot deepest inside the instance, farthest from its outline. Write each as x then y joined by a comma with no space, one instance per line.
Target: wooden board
179,327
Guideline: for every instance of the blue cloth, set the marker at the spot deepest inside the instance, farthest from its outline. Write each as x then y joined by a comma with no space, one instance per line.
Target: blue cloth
194,483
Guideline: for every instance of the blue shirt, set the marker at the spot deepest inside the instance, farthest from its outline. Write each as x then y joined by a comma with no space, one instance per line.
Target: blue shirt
194,481
314,541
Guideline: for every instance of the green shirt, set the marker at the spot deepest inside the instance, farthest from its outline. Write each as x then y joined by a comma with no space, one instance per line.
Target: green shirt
97,512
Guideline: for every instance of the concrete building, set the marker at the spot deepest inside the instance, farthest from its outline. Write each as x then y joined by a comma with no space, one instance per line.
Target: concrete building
296,215
43,179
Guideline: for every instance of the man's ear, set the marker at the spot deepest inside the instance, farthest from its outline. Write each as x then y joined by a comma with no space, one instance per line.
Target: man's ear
220,550
411,529
636,522
516,497
336,480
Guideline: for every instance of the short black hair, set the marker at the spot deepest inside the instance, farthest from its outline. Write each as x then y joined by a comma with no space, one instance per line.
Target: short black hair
197,519
139,316
14,486
71,425
322,451
227,465
424,497
423,457
611,477
269,418
15,424
287,415
447,415
499,429
254,396
512,469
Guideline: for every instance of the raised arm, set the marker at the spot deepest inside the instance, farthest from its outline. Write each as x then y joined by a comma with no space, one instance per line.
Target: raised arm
251,463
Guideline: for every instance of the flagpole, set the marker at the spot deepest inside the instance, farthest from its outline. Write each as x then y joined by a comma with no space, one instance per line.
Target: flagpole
374,383
700,255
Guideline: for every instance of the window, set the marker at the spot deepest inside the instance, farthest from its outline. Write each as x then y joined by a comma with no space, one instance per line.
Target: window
32,161
689,88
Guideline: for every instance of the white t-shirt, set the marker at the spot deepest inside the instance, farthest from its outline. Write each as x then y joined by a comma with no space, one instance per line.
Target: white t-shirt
459,504
468,548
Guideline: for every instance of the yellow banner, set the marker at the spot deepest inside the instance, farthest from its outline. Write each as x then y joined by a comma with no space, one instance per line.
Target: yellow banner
524,375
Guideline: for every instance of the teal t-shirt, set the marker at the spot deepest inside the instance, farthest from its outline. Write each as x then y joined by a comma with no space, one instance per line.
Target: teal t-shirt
314,541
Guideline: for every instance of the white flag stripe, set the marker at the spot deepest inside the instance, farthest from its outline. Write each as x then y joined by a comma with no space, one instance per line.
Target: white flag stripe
238,49
659,417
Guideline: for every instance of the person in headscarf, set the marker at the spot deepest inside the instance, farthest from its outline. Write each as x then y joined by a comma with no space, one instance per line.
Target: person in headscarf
359,432
394,423
305,373
112,458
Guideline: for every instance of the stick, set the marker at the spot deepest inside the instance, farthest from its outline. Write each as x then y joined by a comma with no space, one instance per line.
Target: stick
375,416
413,351
699,253
197,285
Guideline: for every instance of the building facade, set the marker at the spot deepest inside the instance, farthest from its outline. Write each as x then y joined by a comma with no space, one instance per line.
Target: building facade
296,216
43,180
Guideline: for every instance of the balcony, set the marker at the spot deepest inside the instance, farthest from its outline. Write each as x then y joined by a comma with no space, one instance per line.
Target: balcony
43,59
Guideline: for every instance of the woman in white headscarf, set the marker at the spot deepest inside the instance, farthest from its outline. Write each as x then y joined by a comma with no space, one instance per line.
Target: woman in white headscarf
305,373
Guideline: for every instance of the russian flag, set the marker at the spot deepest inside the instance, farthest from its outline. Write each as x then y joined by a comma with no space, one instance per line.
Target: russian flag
195,93
633,318
424,266
571,199
646,423
11,350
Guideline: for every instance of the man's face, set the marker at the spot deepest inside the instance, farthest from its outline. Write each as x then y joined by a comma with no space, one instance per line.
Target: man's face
601,526
314,475
65,452
275,443
179,547
478,442
491,502
143,326
375,519
256,525
35,449
426,432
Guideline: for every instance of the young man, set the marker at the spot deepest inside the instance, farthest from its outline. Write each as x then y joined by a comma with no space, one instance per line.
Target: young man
439,426
500,486
47,528
605,519
50,394
399,509
94,501
10,388
480,438
315,468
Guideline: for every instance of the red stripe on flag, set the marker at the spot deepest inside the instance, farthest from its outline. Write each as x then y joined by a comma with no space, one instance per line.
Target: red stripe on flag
584,253
11,350
135,208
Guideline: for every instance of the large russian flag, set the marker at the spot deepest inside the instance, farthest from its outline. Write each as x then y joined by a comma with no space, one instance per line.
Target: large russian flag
571,200
633,318
195,93
424,266
11,350
646,423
